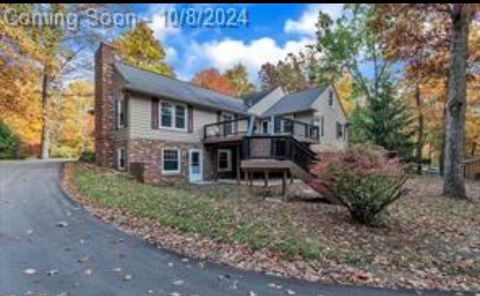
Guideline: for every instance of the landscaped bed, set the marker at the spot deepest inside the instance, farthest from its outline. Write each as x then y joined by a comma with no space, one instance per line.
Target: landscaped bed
430,241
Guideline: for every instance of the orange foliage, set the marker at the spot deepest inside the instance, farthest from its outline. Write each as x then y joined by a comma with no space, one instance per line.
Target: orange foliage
212,79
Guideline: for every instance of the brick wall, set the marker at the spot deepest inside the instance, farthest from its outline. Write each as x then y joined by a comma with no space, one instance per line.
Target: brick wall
149,153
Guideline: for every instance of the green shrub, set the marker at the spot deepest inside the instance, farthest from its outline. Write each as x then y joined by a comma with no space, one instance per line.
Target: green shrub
88,156
363,179
9,143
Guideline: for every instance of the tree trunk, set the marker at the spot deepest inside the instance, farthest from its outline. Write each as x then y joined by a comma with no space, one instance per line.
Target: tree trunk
444,127
453,182
420,136
45,123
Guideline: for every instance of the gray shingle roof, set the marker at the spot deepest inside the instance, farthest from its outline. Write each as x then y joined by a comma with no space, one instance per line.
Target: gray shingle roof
163,86
296,102
257,97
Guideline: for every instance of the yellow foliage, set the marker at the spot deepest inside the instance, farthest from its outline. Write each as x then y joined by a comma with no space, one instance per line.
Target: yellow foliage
73,119
344,88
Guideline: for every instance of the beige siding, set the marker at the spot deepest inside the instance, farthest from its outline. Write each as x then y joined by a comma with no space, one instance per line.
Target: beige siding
267,102
141,126
306,117
332,115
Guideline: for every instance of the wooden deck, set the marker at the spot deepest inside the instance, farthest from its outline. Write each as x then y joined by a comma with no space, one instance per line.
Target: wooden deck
262,164
273,165
227,139
239,137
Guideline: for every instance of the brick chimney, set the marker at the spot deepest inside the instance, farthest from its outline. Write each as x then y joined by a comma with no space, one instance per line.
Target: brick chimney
104,105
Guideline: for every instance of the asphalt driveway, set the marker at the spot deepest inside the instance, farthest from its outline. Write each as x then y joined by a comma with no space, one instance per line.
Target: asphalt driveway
48,245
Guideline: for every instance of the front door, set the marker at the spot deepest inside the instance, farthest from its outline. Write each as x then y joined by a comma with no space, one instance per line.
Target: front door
195,167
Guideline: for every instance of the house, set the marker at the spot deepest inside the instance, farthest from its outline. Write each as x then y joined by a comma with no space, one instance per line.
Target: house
163,130
471,168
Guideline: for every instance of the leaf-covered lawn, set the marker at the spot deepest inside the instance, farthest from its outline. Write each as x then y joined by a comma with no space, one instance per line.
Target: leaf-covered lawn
432,242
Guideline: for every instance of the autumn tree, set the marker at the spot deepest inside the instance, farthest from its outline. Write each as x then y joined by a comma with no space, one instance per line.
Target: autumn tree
453,184
238,77
73,120
294,73
433,39
348,45
139,48
212,79
411,35
55,49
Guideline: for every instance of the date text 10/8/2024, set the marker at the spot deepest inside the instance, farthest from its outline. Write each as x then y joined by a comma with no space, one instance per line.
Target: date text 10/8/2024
208,17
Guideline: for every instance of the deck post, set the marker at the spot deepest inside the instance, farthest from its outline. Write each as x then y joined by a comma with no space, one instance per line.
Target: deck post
238,165
215,166
266,178
291,177
284,184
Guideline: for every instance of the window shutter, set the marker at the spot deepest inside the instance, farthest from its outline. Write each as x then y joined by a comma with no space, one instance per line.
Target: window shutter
125,109
190,118
155,111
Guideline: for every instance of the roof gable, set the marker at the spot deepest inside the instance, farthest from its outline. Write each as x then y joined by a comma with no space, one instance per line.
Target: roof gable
257,97
296,102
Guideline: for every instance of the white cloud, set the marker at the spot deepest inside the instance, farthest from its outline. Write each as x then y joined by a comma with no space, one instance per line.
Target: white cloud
305,25
229,52
160,27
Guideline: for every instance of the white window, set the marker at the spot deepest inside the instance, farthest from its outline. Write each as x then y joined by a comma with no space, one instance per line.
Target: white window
171,161
120,113
224,160
121,159
180,116
173,116
167,112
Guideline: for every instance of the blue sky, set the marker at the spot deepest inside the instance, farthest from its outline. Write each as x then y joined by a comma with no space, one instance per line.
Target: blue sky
273,31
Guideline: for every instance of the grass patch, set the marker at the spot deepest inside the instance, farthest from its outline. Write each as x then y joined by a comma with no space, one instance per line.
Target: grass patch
205,210
427,234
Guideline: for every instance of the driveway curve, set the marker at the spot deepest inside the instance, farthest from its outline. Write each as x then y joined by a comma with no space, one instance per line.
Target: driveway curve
49,246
